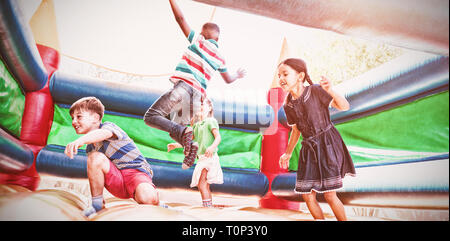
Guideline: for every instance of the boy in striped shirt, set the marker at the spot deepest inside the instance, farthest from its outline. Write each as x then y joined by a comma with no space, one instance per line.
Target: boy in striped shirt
191,76
114,161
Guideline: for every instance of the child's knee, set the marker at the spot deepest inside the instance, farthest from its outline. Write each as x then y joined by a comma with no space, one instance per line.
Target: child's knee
203,182
97,160
146,194
330,196
149,116
309,197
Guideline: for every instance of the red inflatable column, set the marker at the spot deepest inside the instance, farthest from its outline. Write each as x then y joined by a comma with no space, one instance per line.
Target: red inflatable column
36,122
275,140
38,115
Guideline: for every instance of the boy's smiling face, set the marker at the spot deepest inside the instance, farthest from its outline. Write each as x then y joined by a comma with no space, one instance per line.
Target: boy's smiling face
84,121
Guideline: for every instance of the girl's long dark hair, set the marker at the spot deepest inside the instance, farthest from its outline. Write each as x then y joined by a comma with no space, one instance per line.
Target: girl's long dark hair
298,65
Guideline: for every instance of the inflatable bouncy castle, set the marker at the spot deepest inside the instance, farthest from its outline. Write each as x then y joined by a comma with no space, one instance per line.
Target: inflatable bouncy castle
397,128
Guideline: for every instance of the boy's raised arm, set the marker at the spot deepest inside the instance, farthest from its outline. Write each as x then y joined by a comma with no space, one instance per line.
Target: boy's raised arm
91,137
179,17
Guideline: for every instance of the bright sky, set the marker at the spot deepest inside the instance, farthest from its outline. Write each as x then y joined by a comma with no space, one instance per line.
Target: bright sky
142,37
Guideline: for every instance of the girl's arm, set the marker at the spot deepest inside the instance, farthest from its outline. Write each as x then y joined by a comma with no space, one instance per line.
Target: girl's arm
209,152
339,102
91,137
293,139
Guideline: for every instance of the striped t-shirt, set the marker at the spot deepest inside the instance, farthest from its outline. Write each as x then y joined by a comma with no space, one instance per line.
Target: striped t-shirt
199,62
121,150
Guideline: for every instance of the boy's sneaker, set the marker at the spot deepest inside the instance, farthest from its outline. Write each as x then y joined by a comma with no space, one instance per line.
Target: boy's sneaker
190,158
186,140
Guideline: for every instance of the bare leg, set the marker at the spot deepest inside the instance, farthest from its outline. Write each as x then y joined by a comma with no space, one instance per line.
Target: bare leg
336,205
146,194
203,186
97,167
313,205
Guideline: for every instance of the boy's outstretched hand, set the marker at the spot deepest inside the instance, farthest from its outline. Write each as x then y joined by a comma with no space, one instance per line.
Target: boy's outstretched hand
240,73
72,148
230,78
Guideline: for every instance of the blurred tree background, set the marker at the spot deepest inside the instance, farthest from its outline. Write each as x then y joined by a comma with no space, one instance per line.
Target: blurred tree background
338,57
